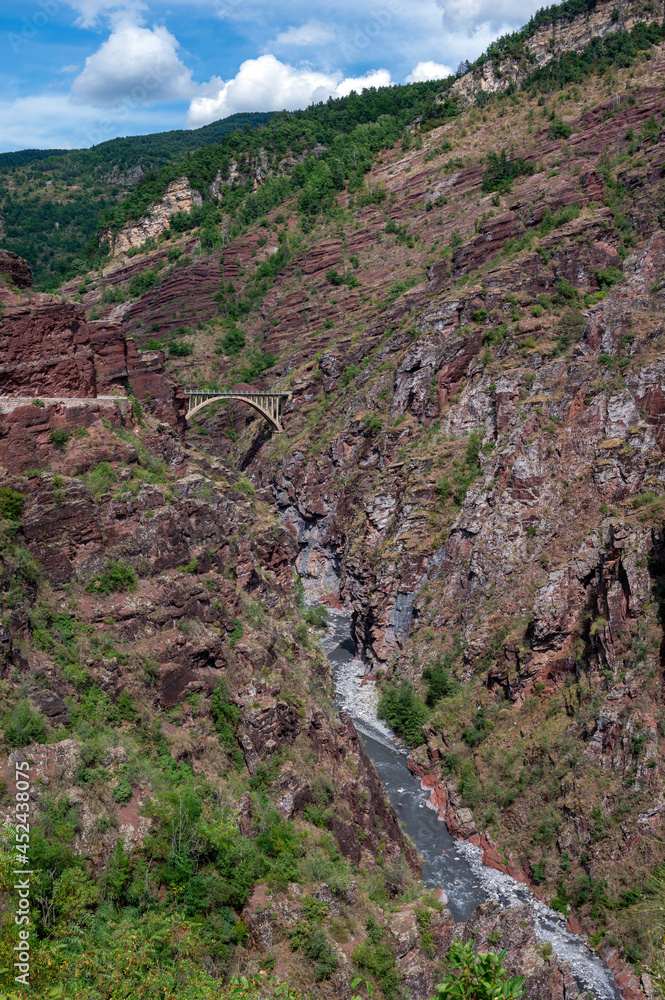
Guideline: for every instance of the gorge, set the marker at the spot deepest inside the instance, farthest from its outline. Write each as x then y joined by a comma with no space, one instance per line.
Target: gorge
459,291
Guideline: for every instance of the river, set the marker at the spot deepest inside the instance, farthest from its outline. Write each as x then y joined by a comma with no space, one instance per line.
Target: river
453,865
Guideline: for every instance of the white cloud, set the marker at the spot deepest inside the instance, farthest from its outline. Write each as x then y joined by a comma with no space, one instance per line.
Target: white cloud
69,69
51,121
374,78
90,11
134,64
266,84
472,15
311,33
429,70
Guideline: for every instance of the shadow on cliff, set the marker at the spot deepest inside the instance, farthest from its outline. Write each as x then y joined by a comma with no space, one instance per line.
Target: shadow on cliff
657,573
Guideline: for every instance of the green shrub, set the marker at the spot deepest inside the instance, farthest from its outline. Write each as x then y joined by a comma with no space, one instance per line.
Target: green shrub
226,716
404,712
479,976
234,340
115,578
500,171
181,349
24,725
334,277
609,277
440,683
99,479
476,733
237,633
317,616
559,129
59,437
11,504
319,950
569,329
376,959
350,372
122,792
142,283
372,424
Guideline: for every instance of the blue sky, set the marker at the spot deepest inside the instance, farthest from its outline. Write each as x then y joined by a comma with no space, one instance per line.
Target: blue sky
77,72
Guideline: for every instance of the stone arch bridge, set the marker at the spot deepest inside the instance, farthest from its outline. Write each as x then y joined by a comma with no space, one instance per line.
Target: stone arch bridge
269,404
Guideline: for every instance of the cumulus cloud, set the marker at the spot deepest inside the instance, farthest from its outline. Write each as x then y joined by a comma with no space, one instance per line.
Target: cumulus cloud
311,33
266,84
134,64
429,70
375,78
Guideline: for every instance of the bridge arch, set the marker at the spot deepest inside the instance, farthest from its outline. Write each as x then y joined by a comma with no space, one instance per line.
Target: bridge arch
268,404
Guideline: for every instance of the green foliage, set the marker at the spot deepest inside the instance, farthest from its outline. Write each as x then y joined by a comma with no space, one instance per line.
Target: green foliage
559,129
609,277
237,632
142,283
569,329
350,373
399,288
181,349
226,716
500,171
372,424
335,278
552,221
11,504
99,479
464,474
404,712
258,364
23,725
309,936
376,959
479,976
59,437
122,792
234,339
480,728
317,616
440,683
116,577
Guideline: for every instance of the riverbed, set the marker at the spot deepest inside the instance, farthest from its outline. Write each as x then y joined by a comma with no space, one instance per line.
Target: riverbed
452,865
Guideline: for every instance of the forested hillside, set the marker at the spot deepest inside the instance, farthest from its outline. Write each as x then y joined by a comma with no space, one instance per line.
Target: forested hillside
51,200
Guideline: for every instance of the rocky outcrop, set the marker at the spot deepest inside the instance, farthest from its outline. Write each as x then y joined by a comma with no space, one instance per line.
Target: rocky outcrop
567,34
179,196
15,269
50,350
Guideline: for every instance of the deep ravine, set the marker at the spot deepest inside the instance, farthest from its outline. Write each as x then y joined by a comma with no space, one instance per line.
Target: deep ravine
452,865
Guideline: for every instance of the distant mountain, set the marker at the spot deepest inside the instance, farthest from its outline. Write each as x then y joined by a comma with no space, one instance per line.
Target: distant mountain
51,199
